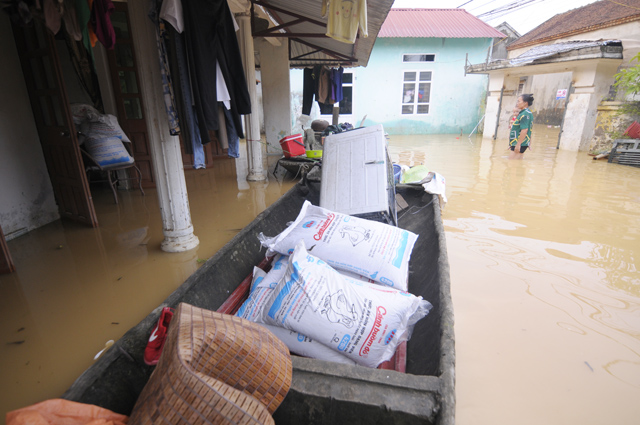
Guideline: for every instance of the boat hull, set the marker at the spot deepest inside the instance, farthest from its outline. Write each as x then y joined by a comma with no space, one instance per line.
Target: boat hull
321,392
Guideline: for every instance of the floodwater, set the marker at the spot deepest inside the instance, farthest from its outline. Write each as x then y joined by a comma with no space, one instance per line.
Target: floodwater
544,257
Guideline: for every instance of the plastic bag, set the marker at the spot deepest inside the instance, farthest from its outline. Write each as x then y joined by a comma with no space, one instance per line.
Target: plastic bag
64,412
417,175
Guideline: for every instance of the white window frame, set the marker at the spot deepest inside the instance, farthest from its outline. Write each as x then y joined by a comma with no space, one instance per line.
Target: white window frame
414,102
351,84
417,54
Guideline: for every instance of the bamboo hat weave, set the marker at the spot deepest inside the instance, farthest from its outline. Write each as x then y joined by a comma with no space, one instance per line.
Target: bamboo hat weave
215,369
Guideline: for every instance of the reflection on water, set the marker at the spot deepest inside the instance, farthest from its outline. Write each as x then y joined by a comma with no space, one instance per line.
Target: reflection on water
544,256
76,288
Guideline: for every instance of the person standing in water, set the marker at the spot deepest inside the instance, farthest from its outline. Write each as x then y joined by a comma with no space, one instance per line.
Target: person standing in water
520,135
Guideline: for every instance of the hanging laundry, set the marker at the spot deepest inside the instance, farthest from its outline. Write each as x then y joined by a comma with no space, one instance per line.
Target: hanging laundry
165,73
211,40
171,11
70,19
336,86
232,135
222,93
52,14
344,19
18,11
308,90
93,38
101,22
189,128
324,85
83,13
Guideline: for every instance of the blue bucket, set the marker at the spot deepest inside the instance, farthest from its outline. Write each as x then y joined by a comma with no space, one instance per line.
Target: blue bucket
397,173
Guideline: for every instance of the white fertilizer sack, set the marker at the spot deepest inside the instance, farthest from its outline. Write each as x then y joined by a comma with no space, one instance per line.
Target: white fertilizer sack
304,346
375,250
365,322
261,287
278,267
108,151
355,276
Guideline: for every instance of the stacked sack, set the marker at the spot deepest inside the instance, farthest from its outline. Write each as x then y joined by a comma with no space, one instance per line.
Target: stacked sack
101,136
337,290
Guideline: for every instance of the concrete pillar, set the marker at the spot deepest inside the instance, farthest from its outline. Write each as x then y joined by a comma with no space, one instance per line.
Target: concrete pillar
165,149
591,82
276,93
496,80
501,99
252,121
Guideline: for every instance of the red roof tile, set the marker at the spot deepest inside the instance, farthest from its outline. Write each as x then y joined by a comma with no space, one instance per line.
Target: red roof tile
435,23
601,14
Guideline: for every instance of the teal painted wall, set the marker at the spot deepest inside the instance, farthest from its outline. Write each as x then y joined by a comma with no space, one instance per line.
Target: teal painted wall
456,102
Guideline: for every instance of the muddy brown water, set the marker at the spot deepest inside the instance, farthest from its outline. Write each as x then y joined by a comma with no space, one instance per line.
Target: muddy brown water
544,257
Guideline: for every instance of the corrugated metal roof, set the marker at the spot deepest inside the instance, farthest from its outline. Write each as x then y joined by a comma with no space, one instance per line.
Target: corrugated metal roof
541,52
601,14
553,54
435,23
311,47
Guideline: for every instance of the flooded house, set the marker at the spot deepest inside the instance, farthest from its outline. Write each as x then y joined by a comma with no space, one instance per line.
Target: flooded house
46,182
40,144
568,63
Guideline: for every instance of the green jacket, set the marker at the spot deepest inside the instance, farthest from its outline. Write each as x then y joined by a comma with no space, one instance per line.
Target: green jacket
524,120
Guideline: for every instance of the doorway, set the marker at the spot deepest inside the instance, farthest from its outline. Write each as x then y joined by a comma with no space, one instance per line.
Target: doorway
58,136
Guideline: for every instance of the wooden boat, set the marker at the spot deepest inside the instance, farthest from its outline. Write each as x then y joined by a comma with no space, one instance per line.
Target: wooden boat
321,392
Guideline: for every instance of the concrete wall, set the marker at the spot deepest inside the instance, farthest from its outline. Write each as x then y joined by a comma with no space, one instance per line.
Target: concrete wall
26,195
499,50
454,97
274,77
546,108
591,84
611,123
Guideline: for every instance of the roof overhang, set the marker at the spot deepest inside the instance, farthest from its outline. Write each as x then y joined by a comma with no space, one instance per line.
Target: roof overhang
552,58
301,25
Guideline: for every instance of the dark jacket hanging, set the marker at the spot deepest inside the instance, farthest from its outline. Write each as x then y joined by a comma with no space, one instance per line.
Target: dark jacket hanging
211,38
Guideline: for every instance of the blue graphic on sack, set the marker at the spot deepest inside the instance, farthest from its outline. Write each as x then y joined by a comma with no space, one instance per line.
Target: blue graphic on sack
343,344
389,337
308,224
386,281
402,247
